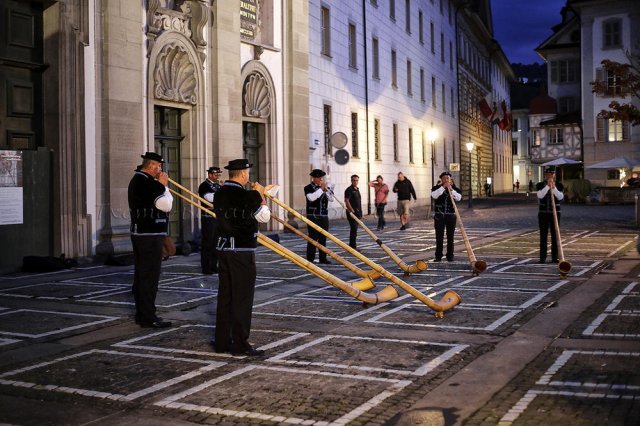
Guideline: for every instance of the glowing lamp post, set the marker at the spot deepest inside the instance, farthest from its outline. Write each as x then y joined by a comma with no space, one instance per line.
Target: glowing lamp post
470,148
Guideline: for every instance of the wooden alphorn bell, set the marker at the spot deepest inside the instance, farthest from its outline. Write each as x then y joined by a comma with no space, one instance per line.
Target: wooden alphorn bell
477,266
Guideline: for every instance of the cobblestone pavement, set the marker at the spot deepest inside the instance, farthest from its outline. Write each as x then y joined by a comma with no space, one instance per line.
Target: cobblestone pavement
525,346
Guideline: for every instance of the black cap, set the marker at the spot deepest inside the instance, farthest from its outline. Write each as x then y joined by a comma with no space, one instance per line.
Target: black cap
445,173
239,164
214,169
550,169
153,156
317,173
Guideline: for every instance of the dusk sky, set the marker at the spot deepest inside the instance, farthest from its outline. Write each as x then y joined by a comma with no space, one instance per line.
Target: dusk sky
521,25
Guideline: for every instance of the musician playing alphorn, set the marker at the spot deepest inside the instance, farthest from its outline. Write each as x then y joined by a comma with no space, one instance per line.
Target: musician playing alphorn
444,214
238,211
545,212
318,196
208,223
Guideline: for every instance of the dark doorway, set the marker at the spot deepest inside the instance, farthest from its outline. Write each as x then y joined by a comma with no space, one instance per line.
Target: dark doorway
252,145
168,136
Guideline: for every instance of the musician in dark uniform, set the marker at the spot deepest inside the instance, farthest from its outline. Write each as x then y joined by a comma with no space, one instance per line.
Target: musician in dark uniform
444,218
353,202
208,223
239,211
545,212
149,205
317,212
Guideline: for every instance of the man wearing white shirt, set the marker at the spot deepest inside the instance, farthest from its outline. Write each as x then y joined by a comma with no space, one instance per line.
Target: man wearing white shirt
545,212
318,198
445,214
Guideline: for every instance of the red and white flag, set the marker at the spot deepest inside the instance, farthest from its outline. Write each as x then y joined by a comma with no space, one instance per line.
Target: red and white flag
487,107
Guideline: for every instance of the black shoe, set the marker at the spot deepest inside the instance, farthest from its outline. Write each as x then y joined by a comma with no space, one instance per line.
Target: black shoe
249,352
325,262
403,227
155,324
216,349
541,261
449,258
555,261
437,259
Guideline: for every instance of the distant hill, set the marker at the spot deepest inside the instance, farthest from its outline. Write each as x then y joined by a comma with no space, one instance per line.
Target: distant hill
530,73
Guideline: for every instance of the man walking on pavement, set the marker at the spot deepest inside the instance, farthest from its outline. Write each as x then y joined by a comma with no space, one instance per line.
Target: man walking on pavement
208,223
404,188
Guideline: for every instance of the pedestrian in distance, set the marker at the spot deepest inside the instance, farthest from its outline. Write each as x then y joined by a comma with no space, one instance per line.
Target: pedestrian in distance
353,203
545,190
517,186
208,223
404,188
149,205
445,215
381,191
318,195
530,185
239,211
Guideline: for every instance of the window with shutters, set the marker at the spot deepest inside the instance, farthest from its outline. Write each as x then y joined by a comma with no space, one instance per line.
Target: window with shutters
422,91
352,46
395,142
612,34
613,82
433,41
610,130
392,10
376,58
376,139
433,92
409,79
354,135
420,27
394,70
442,48
444,99
411,145
326,31
536,138
407,14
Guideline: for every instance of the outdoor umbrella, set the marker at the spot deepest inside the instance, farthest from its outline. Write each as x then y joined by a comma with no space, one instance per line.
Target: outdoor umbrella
560,162
616,163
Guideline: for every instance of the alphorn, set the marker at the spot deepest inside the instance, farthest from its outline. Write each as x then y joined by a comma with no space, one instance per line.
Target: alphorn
563,266
386,294
420,265
365,284
448,301
477,266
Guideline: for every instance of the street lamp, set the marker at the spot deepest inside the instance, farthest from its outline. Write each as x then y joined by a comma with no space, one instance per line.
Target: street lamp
470,148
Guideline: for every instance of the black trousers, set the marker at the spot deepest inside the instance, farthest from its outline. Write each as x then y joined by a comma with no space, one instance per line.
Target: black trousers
322,222
380,213
444,222
208,252
353,232
147,254
546,224
237,282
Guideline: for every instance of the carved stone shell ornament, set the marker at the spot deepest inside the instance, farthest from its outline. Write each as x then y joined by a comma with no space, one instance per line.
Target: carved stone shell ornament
175,76
257,101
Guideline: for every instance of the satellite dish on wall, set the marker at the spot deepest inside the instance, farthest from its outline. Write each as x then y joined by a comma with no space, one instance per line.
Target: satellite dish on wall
341,156
339,140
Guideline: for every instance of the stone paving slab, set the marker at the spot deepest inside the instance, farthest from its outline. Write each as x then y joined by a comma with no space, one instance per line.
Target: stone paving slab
253,392
33,323
107,374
